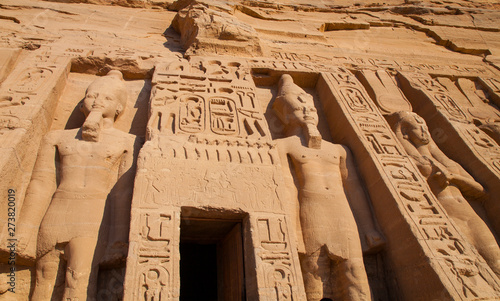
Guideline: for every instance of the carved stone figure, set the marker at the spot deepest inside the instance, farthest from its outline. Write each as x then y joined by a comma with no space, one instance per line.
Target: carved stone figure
329,193
451,184
79,175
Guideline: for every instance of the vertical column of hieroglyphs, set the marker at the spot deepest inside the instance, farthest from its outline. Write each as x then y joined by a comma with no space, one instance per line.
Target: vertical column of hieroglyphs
431,259
28,97
277,268
153,254
208,146
456,134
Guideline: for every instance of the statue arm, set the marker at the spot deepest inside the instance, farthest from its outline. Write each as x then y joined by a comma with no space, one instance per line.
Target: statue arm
469,187
120,203
359,203
282,153
291,203
461,178
38,196
122,194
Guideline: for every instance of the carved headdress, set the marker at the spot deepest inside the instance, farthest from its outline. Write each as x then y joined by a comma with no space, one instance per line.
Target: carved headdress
291,96
402,121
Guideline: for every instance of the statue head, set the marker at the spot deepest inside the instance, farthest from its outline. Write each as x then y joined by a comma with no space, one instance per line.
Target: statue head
293,105
107,95
295,108
411,127
105,99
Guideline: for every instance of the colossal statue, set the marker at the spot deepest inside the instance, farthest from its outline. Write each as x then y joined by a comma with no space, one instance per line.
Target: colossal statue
449,182
330,196
81,184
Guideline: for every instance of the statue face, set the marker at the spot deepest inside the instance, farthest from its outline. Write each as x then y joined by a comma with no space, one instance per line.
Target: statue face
417,131
305,115
293,105
303,110
102,97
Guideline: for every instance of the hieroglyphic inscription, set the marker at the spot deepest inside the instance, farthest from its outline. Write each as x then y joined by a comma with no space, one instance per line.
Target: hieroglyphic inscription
153,241
156,235
278,269
441,97
442,243
192,114
31,79
153,283
294,61
206,96
223,117
220,150
206,109
24,87
281,64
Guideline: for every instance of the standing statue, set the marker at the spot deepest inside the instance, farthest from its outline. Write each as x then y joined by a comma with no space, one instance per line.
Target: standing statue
329,192
449,182
79,175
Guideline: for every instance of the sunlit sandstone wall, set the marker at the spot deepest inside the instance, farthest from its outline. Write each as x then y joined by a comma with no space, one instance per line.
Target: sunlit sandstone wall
408,93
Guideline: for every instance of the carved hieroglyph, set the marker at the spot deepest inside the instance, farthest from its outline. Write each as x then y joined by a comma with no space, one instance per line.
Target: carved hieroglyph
476,103
276,266
461,271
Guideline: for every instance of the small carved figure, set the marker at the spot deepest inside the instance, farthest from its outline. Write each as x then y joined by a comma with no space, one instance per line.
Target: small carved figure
329,191
449,182
78,175
154,285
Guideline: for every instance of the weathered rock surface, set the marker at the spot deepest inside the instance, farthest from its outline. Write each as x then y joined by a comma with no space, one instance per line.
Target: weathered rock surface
206,31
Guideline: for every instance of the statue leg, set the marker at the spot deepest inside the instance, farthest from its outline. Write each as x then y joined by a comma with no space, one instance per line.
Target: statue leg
484,241
474,228
316,273
352,280
81,271
46,274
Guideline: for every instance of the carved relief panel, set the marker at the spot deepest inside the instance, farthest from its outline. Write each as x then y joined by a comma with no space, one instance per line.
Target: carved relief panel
212,97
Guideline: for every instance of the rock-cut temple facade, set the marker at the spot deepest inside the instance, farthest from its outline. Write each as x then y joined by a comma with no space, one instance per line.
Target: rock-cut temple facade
253,150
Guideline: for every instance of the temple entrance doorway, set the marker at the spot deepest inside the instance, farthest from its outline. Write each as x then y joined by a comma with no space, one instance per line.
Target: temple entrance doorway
212,267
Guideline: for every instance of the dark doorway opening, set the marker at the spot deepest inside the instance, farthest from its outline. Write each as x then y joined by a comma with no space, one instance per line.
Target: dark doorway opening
212,267
198,272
